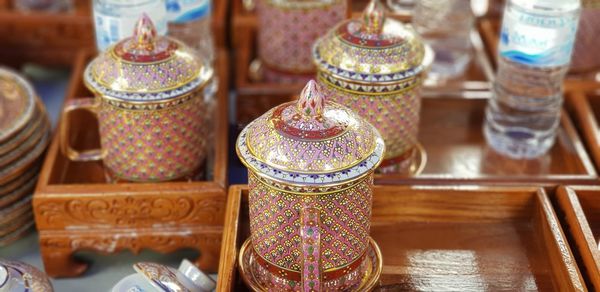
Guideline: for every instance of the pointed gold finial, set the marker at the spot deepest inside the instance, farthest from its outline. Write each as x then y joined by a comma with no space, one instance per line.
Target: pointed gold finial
145,33
311,101
373,17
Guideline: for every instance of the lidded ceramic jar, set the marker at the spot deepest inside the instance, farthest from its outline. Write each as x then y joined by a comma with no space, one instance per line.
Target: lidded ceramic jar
311,165
287,30
375,66
151,102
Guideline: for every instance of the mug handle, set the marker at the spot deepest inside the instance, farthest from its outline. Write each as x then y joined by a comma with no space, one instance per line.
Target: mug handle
311,249
88,104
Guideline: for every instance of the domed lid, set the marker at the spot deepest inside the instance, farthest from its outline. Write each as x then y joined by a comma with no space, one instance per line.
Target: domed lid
17,103
147,68
372,49
310,141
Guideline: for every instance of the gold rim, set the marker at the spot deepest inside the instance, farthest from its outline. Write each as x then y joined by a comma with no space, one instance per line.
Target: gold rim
17,234
299,272
387,93
97,93
24,134
418,161
30,105
421,157
265,176
265,182
370,279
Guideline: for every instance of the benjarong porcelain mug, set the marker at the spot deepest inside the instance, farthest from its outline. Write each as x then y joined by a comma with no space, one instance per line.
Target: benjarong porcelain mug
375,66
150,102
287,30
311,166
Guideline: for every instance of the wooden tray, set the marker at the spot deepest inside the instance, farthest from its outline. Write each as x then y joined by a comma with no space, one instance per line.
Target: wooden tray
433,239
47,38
451,132
220,23
256,97
75,209
584,103
580,209
55,38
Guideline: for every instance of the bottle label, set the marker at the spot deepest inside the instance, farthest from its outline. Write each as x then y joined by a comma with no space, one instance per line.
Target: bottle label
181,11
537,40
113,28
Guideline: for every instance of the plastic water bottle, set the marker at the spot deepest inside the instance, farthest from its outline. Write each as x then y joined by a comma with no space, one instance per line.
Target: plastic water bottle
115,19
535,49
190,22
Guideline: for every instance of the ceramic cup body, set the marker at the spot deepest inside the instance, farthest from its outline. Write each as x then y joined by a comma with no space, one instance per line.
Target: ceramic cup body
153,144
147,142
279,238
395,113
286,33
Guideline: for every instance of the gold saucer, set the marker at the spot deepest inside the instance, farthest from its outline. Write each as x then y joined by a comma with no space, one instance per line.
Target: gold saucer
16,223
21,232
17,103
9,187
24,163
25,146
412,166
21,136
10,213
370,280
21,192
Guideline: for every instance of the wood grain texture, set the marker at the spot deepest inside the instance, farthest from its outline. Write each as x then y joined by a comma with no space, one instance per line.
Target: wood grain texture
452,238
580,207
54,39
452,136
76,209
228,258
220,22
47,38
584,103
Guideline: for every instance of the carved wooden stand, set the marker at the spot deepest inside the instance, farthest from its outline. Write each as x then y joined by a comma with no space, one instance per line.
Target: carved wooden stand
75,209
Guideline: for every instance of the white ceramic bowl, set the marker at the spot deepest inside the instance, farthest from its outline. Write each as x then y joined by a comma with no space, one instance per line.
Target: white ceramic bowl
200,279
133,283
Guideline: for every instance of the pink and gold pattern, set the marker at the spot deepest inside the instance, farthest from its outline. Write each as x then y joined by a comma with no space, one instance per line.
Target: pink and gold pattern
143,145
151,107
287,138
395,115
275,223
286,32
147,68
311,166
376,66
